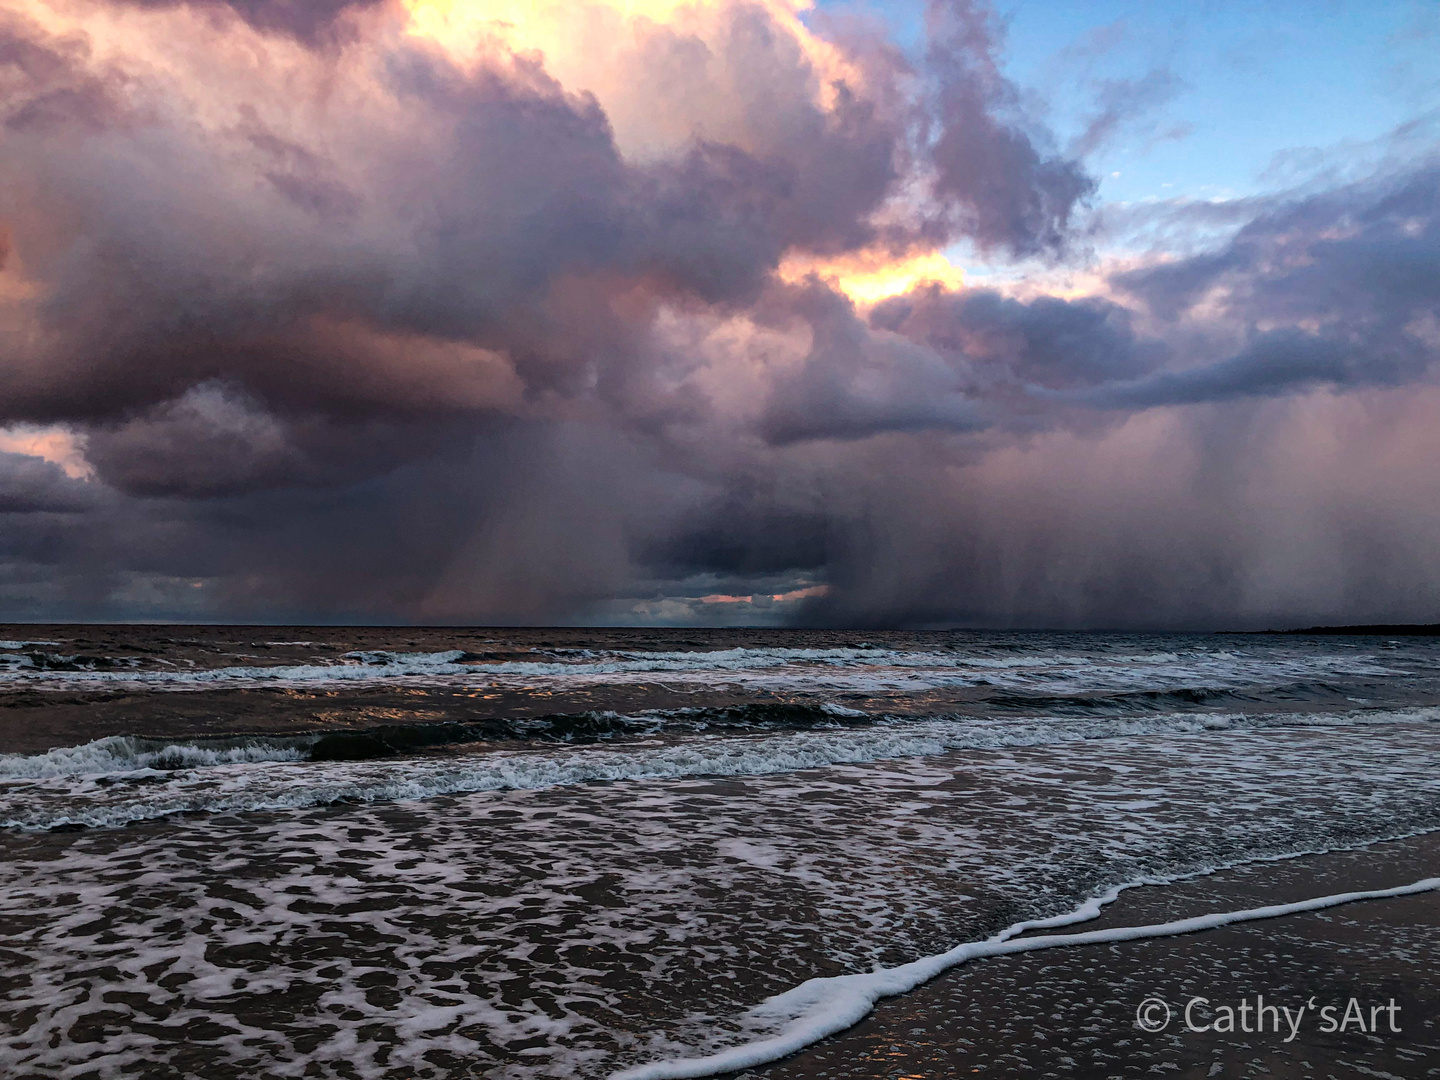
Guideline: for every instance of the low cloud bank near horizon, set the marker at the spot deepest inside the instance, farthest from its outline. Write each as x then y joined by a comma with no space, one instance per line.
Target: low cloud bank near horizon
371,312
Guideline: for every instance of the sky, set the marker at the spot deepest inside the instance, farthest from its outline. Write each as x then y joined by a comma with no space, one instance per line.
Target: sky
1227,97
732,312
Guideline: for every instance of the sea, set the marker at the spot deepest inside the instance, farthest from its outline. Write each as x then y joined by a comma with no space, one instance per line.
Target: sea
409,853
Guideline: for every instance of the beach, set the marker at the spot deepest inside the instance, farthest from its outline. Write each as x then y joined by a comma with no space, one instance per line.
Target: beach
766,539
1073,1012
524,892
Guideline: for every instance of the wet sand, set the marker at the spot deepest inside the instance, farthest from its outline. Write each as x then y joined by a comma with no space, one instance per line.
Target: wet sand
1071,1012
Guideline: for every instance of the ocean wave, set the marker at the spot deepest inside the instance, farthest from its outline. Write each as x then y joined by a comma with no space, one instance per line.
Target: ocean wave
855,669
268,783
128,754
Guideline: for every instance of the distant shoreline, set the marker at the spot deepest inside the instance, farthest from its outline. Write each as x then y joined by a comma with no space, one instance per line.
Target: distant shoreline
1367,630
24,627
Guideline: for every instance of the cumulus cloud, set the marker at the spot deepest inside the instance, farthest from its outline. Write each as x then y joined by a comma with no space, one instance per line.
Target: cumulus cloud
439,312
1006,186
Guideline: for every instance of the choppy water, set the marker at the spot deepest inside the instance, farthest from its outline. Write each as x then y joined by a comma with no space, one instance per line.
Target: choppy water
438,853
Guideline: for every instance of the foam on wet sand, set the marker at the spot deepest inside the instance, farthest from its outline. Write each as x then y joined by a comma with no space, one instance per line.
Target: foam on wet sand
578,931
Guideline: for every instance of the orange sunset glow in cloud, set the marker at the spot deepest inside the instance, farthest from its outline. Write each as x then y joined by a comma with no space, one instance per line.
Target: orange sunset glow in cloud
600,48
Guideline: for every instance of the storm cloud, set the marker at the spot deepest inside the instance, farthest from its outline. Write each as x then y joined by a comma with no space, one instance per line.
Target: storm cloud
366,311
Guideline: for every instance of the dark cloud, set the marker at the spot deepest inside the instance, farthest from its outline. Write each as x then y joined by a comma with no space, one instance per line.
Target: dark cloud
1046,341
502,208
1340,288
218,441
854,382
1272,364
1005,188
46,83
1364,248
29,485
314,22
410,337
755,525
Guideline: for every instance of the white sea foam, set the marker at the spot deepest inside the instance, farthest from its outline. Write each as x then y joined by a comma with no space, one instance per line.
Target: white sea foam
821,1007
570,932
126,754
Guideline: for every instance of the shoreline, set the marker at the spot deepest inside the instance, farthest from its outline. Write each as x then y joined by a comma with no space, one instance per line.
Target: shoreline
1069,1010
565,931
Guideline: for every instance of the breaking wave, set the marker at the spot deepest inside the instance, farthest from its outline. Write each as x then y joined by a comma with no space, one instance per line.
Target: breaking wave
860,664
127,754
117,781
